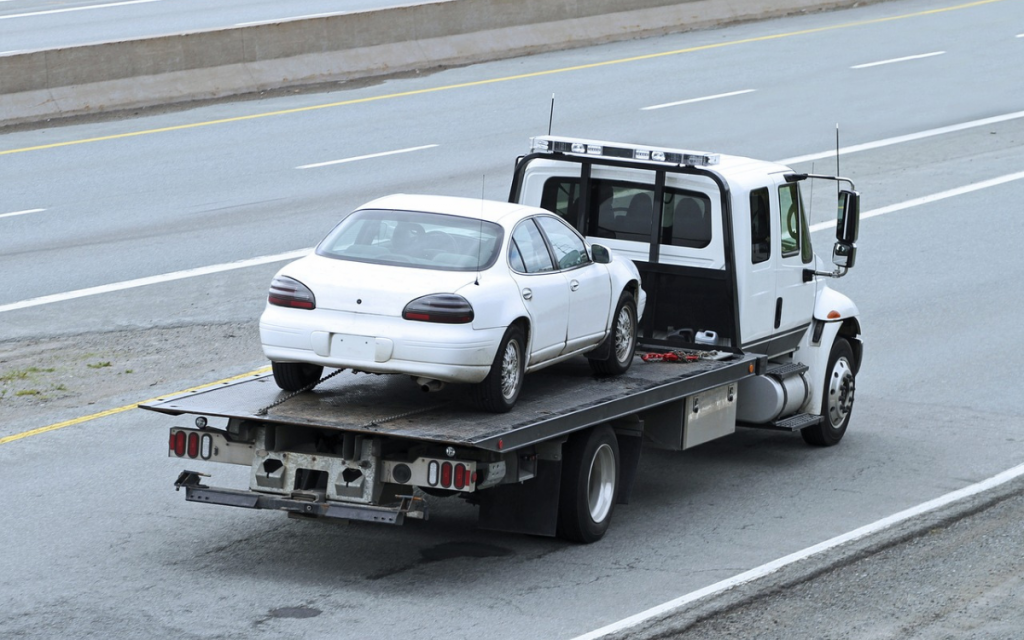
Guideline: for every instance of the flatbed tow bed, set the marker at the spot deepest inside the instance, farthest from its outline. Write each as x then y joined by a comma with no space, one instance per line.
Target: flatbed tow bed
554,402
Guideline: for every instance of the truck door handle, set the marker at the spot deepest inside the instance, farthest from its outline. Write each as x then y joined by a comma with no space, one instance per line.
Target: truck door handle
527,294
574,285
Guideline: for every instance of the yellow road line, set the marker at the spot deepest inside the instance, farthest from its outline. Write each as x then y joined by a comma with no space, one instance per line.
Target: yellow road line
524,76
110,412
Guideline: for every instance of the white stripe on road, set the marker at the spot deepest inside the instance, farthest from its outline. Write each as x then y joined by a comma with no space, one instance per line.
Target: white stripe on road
94,6
904,59
166,277
916,202
366,157
306,17
674,606
691,100
901,139
20,213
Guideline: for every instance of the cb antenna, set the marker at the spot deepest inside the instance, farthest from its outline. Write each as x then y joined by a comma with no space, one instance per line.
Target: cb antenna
551,115
837,160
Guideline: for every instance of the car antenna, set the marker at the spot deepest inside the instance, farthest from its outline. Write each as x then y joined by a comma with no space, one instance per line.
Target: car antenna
551,115
837,160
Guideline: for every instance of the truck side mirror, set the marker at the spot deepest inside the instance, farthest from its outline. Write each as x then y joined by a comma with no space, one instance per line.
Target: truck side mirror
848,223
844,255
600,254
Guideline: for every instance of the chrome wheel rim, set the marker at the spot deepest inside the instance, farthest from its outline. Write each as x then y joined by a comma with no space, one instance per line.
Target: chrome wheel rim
510,370
841,387
624,334
601,483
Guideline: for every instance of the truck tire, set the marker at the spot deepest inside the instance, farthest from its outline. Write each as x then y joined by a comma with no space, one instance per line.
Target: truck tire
292,376
590,484
500,389
621,338
837,397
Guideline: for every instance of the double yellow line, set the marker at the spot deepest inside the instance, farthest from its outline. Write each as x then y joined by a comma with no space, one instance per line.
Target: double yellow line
479,83
111,412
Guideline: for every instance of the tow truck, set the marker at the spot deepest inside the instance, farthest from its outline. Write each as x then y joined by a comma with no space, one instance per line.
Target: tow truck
741,330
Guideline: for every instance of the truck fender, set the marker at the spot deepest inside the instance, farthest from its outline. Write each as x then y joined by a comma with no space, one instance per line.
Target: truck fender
835,315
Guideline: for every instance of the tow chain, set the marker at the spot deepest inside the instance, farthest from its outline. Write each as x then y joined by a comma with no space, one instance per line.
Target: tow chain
279,401
684,355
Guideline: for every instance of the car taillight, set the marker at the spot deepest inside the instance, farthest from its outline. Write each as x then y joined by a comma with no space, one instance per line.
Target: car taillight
289,292
446,308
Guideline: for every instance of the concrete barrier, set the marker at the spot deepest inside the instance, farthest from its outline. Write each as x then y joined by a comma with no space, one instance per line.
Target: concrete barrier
88,79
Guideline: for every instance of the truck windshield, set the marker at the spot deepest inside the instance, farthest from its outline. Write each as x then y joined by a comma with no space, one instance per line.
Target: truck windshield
414,239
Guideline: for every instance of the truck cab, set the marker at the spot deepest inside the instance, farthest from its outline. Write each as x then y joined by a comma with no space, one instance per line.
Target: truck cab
723,246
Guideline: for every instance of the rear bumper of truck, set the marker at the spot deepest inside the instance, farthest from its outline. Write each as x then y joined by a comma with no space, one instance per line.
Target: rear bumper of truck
306,506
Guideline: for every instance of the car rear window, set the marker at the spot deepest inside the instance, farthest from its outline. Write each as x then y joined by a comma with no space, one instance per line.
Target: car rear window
414,239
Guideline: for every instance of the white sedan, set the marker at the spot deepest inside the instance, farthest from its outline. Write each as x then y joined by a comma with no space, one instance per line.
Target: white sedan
451,290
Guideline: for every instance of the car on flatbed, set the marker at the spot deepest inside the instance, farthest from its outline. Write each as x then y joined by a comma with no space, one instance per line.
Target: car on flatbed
451,290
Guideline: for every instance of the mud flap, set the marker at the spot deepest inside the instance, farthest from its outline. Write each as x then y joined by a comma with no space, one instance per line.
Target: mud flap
530,507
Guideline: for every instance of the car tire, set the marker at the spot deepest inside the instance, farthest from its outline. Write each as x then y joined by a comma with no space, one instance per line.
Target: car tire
621,340
590,484
500,389
293,376
836,398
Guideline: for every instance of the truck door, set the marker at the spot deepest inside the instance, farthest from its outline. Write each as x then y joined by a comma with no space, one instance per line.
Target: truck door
794,302
544,291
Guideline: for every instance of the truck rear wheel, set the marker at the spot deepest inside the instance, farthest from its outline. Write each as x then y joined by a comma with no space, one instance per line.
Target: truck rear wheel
622,340
292,376
590,484
836,399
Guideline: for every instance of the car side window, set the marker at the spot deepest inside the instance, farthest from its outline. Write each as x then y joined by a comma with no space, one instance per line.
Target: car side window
569,249
528,249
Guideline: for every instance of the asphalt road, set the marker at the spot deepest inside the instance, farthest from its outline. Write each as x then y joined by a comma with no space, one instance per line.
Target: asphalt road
101,541
27,25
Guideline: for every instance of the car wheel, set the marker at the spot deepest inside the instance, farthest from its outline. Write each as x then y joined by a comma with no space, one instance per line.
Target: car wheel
590,484
621,340
292,376
500,389
837,397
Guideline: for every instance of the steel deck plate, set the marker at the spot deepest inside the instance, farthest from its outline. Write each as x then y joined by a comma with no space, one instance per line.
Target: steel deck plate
557,400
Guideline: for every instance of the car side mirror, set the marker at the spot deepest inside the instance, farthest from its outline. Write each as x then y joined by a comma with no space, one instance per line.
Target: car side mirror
600,254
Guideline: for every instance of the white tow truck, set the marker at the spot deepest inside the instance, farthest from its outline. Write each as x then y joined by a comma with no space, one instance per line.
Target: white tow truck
741,330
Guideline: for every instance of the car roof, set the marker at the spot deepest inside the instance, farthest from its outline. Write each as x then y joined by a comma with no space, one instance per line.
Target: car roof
476,208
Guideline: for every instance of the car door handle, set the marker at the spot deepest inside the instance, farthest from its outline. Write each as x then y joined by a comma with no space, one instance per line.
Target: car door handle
574,285
527,294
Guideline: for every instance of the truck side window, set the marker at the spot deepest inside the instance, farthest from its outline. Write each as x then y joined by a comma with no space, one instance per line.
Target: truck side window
760,226
561,196
529,245
686,221
789,208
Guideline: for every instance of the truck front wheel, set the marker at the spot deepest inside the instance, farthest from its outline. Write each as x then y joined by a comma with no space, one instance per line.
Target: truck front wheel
292,376
836,399
590,484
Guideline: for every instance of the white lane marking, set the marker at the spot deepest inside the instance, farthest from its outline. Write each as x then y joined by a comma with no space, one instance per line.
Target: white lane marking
894,60
1020,35
306,17
93,6
916,202
20,213
691,100
166,277
901,139
366,157
674,606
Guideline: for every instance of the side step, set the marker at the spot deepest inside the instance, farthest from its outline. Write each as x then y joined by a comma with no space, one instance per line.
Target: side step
780,371
791,424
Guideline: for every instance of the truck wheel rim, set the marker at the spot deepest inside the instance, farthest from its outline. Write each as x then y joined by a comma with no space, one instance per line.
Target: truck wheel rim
510,370
623,334
841,388
601,483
